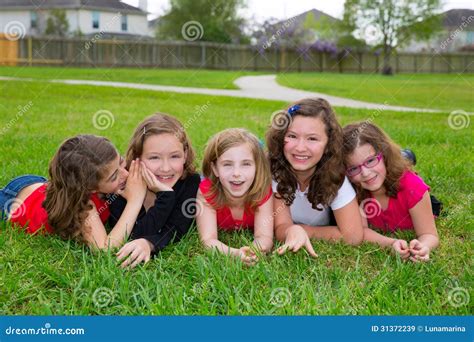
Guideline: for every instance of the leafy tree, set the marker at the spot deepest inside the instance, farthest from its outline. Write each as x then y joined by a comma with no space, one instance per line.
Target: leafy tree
276,33
392,23
57,23
215,21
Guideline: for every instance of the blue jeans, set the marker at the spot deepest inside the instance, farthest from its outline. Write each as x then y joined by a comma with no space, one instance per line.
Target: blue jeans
11,190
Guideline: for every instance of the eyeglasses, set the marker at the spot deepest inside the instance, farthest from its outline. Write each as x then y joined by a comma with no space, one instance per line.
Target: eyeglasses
368,163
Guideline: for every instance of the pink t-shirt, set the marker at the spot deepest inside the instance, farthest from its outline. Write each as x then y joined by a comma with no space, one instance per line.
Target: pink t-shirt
225,220
397,215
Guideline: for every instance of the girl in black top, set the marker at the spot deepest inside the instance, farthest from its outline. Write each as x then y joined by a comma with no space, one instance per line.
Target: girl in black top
167,160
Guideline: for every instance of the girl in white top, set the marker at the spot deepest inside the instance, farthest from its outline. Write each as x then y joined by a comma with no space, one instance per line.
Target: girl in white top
305,152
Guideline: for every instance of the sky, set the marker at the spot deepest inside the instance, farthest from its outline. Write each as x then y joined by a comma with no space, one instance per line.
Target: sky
284,9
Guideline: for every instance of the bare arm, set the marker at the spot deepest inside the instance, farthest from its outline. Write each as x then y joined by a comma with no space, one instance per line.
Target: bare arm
94,231
349,226
371,235
207,228
264,226
425,229
349,223
294,236
96,235
282,219
398,246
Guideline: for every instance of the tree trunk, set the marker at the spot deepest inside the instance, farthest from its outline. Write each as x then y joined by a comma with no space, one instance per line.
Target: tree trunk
387,69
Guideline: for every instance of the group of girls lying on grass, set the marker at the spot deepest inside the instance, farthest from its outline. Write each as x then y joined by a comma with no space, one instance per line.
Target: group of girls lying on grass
316,180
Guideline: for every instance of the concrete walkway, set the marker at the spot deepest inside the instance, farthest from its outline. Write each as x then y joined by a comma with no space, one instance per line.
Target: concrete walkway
256,87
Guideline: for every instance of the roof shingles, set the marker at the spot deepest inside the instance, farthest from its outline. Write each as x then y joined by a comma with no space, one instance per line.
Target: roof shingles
107,5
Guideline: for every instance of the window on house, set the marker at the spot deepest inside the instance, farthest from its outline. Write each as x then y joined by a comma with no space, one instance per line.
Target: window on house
33,19
470,37
124,22
95,19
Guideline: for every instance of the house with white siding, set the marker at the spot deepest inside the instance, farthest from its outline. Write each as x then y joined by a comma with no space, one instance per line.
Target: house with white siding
457,34
110,18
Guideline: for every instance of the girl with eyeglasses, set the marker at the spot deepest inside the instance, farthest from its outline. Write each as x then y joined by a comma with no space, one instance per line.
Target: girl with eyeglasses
392,196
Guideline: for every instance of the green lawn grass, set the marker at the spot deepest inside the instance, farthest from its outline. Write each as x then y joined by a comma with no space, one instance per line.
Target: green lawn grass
43,275
440,91
435,91
190,78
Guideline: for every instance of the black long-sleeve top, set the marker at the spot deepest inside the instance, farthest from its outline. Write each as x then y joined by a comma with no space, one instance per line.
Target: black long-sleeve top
168,220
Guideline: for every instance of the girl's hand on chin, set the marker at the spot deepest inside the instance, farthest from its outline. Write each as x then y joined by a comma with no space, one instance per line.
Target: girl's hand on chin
152,182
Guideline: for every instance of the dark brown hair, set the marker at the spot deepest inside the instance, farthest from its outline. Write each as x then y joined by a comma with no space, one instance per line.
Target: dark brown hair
362,133
329,174
217,146
160,124
74,172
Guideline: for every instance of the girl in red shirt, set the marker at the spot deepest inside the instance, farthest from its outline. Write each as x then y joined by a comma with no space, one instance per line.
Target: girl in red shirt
392,196
235,193
73,202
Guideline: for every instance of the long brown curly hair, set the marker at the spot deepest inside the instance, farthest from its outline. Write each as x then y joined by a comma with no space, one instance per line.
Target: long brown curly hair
329,174
156,124
361,133
74,172
217,146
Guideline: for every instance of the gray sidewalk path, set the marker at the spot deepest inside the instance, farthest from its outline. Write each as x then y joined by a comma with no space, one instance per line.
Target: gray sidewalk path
263,87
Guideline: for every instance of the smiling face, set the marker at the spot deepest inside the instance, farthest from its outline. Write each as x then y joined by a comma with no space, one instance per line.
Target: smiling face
235,169
164,155
371,179
305,143
115,176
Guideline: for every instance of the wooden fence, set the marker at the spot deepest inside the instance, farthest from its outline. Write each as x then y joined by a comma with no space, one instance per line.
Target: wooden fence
124,53
8,50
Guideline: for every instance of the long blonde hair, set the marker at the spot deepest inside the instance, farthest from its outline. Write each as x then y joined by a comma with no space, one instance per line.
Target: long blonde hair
217,146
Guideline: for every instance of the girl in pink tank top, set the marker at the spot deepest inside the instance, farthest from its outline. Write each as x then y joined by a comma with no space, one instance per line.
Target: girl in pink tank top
392,197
